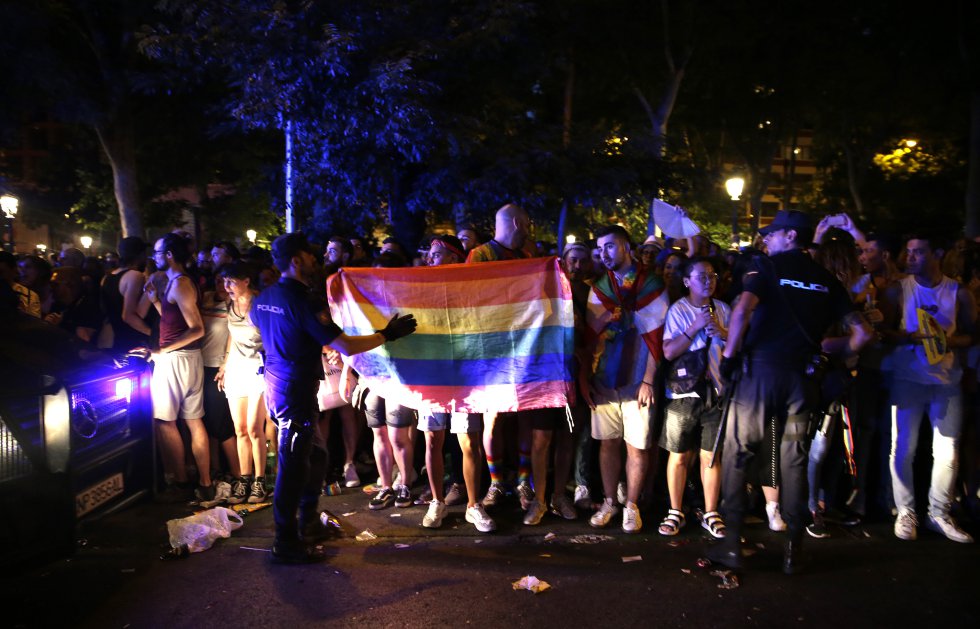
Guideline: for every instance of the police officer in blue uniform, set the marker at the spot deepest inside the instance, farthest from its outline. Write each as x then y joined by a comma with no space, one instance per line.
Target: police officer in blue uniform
789,303
294,336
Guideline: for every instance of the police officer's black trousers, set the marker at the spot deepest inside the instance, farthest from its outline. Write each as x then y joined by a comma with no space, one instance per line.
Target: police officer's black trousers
768,417
302,464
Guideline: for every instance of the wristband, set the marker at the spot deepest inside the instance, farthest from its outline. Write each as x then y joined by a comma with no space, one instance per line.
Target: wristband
649,384
684,332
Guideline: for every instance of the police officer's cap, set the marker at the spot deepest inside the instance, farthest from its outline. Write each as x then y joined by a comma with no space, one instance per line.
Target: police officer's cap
788,219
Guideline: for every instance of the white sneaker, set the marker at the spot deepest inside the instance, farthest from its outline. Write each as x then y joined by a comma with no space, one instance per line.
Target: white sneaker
776,522
605,513
351,479
435,514
621,493
906,525
944,525
222,492
535,511
583,500
561,505
476,516
632,523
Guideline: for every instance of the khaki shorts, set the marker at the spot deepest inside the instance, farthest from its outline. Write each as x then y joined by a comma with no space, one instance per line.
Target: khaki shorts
177,385
619,416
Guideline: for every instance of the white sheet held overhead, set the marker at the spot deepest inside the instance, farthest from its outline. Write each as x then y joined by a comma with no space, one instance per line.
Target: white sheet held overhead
673,221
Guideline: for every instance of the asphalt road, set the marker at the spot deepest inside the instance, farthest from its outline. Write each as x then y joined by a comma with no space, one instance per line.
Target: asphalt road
414,577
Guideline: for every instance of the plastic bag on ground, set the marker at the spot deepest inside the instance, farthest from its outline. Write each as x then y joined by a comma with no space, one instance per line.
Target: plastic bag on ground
199,531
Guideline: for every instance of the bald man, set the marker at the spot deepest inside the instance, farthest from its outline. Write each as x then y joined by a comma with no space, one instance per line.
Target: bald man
511,230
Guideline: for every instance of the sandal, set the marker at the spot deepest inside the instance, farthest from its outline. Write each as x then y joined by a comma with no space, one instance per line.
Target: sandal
712,523
673,523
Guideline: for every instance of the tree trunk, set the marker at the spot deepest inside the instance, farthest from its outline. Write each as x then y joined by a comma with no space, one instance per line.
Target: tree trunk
675,75
853,185
566,141
408,228
967,19
288,176
119,145
971,224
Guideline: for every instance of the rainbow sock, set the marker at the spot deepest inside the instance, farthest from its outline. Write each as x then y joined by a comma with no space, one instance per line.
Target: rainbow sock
494,473
523,467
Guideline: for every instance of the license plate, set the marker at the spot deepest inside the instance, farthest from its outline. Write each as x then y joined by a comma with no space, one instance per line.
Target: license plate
99,494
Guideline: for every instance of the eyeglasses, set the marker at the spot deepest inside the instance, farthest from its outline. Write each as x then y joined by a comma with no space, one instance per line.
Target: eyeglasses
705,277
159,251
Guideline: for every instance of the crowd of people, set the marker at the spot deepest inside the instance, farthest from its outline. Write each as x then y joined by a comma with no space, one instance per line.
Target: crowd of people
795,373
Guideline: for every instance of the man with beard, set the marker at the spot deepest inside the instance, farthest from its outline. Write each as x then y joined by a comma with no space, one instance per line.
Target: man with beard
626,312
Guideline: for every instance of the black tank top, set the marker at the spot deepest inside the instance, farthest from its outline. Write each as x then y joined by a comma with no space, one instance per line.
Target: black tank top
124,336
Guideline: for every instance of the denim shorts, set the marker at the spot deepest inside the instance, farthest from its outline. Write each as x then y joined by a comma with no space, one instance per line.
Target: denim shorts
688,425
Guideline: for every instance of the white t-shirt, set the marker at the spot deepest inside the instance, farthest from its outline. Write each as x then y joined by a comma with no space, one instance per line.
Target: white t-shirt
680,317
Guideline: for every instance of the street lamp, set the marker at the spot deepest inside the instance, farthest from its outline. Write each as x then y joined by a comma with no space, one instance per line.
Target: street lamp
569,239
86,241
251,234
9,205
734,187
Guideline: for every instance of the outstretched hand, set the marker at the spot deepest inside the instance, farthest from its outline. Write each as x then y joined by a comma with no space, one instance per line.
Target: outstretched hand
399,327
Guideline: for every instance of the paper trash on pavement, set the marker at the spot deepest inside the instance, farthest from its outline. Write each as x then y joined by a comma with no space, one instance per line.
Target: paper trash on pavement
590,539
531,583
365,536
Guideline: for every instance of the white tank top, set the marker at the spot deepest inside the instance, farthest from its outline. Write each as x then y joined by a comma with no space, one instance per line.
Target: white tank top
940,302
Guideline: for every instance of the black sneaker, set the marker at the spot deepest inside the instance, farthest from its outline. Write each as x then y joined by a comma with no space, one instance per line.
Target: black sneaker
239,491
818,530
258,493
382,500
403,497
845,516
296,552
205,494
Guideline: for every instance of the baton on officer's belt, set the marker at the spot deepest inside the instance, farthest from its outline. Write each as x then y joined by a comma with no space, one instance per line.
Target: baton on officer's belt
729,394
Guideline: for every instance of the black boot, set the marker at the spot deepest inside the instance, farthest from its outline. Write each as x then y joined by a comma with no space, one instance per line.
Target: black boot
727,552
793,555
324,526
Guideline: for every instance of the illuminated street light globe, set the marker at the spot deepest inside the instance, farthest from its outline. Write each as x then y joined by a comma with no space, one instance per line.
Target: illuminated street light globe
9,205
251,234
86,241
734,187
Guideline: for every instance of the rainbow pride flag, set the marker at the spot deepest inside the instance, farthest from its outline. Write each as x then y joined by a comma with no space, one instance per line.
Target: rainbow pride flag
492,337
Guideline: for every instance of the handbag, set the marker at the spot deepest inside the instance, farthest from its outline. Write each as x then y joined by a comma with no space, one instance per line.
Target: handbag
686,373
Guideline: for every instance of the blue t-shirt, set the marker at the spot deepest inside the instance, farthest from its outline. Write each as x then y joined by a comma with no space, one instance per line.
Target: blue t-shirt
292,334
